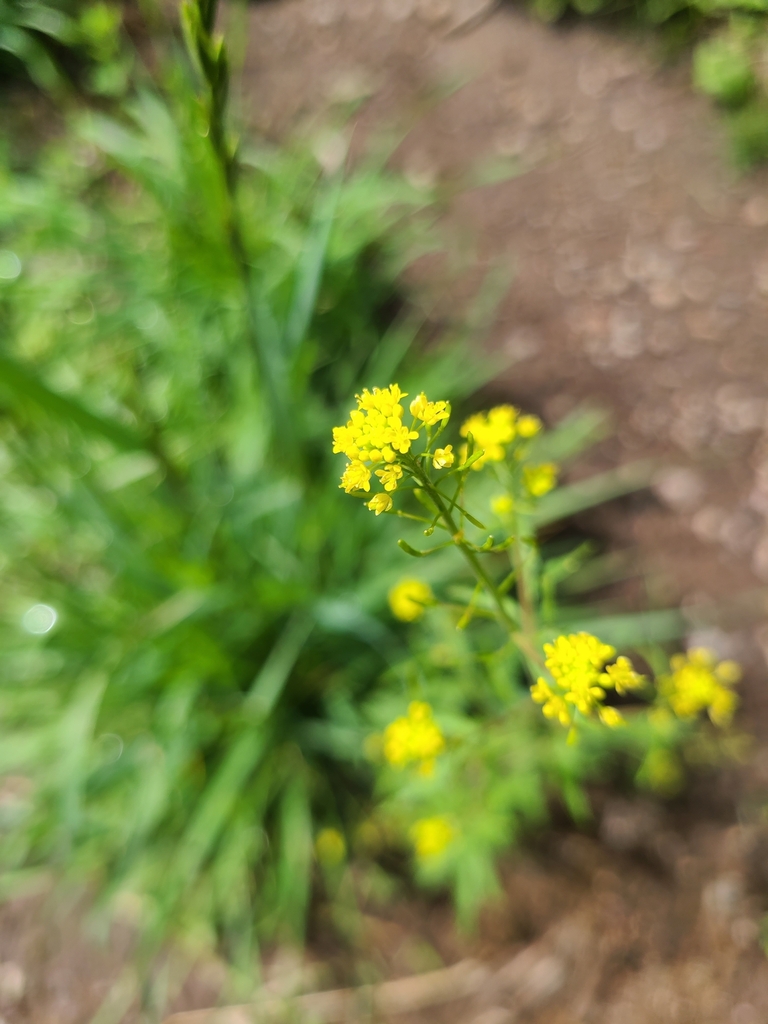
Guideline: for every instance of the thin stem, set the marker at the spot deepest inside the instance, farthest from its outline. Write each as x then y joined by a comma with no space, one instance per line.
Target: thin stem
458,539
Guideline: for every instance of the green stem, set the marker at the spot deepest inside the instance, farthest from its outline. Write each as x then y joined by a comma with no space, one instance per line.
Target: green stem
458,539
212,59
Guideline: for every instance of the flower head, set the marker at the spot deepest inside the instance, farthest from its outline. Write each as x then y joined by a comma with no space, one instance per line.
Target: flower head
491,432
409,598
375,429
553,704
431,836
379,503
330,847
443,457
698,682
502,505
621,677
528,426
539,480
389,476
414,737
576,664
577,659
428,412
356,477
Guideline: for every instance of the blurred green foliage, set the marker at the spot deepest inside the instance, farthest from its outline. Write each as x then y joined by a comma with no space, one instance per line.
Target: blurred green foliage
194,704
65,46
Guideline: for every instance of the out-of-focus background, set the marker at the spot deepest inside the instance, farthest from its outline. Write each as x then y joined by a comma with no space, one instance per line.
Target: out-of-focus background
217,226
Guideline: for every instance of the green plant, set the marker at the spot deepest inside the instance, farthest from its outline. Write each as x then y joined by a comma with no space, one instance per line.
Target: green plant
723,71
471,762
189,623
66,45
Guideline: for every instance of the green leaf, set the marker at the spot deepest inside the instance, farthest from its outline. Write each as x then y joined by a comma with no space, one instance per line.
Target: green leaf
310,269
18,383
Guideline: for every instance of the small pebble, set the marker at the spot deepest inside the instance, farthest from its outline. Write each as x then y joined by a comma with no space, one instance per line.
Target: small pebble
745,1013
721,897
679,487
754,212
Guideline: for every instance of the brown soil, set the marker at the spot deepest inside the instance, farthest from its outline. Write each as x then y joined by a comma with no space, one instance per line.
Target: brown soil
641,284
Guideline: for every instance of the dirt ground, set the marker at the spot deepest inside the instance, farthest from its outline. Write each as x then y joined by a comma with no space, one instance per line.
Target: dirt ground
640,265
640,283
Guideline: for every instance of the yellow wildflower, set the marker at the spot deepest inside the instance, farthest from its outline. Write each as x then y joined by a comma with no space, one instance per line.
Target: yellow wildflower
431,836
409,598
610,716
428,412
375,429
553,705
491,431
356,477
413,737
379,503
502,505
539,480
330,847
528,426
443,457
576,664
577,659
621,677
389,476
698,682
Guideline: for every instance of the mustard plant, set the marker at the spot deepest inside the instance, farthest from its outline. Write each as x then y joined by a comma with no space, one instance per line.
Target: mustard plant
462,772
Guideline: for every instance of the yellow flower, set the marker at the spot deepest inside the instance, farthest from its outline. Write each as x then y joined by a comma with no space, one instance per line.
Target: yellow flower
577,659
356,477
428,412
443,457
375,429
698,682
379,503
610,716
491,432
389,476
431,836
539,480
528,426
576,665
330,847
502,505
413,737
553,705
621,677
408,599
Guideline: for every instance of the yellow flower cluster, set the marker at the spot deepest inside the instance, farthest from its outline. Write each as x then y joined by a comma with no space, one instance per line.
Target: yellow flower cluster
577,666
431,836
430,413
409,598
539,480
494,430
414,737
698,682
375,435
